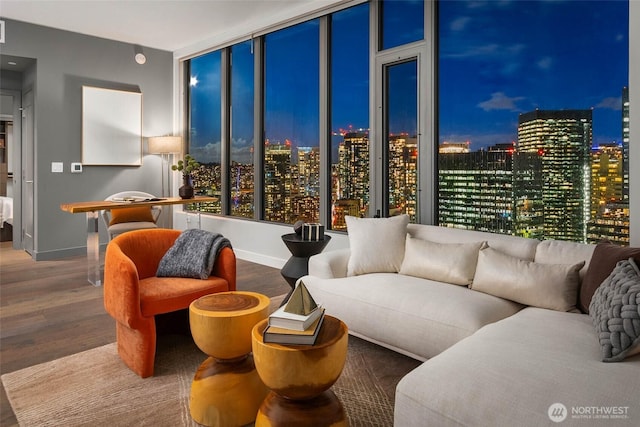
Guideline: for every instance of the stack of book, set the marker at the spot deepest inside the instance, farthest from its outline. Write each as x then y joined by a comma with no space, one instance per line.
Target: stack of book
297,321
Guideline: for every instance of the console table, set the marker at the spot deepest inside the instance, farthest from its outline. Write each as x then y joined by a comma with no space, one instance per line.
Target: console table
93,238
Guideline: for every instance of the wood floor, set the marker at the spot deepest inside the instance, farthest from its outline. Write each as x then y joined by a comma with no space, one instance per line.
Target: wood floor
48,310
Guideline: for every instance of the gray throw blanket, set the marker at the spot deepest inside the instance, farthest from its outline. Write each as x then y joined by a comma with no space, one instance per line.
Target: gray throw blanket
193,254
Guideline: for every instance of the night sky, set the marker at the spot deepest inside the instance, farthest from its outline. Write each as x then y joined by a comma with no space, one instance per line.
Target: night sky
496,59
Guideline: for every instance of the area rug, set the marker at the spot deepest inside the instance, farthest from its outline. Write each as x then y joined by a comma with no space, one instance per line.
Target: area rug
95,388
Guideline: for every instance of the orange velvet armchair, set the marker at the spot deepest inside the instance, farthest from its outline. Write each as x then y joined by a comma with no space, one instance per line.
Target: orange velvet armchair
133,295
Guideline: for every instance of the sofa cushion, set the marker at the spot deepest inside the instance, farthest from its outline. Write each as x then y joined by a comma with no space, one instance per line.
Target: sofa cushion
563,252
615,311
377,244
510,372
414,316
605,257
166,294
453,263
134,214
552,286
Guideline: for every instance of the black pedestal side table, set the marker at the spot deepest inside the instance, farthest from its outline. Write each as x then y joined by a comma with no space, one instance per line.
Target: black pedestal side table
301,250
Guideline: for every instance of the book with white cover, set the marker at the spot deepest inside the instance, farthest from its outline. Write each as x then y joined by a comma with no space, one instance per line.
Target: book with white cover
298,322
277,335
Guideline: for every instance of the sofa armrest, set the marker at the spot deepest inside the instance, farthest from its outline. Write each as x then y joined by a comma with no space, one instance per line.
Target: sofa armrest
225,267
121,287
330,264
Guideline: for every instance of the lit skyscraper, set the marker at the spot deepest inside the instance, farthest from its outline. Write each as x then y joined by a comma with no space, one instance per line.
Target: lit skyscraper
278,182
309,171
475,188
609,210
350,179
563,139
625,144
403,175
353,170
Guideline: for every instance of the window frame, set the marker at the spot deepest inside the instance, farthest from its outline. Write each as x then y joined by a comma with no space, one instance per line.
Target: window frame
427,131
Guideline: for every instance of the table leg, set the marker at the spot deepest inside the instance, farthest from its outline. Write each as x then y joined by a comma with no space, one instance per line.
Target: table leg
198,222
94,273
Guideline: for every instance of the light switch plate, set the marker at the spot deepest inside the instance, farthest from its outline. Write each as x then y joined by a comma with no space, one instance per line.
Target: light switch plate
76,167
57,167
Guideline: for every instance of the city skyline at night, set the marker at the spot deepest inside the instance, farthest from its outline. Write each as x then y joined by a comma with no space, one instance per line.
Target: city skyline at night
496,62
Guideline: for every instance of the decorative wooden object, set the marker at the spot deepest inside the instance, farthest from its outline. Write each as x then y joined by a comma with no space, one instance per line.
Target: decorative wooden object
226,389
300,377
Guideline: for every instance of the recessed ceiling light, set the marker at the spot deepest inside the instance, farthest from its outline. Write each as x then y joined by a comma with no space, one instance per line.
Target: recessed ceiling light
12,63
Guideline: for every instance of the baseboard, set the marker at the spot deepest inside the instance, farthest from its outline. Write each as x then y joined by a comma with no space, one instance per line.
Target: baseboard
260,258
59,253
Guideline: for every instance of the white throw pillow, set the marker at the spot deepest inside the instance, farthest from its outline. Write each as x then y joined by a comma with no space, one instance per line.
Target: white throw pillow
445,262
551,286
376,244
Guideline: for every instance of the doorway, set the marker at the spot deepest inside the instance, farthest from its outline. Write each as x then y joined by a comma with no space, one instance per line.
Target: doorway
402,121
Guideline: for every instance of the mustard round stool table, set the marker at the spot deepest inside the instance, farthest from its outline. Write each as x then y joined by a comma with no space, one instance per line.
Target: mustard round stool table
300,377
226,389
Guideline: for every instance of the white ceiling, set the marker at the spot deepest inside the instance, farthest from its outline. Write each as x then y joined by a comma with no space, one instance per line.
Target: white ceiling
162,24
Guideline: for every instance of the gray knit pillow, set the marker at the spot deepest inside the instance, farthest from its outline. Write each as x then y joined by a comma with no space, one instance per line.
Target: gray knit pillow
615,312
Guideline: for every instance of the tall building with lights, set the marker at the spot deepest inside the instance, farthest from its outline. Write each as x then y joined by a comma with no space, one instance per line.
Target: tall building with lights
353,167
625,144
279,182
562,139
403,175
309,171
609,210
475,189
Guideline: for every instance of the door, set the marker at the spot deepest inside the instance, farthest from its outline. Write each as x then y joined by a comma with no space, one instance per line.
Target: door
28,184
402,115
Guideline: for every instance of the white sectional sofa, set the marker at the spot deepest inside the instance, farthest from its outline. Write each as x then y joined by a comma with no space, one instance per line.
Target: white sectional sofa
508,348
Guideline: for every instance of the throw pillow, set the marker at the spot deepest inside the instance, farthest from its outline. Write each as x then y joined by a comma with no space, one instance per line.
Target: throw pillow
376,244
551,286
134,214
453,263
604,259
193,254
615,312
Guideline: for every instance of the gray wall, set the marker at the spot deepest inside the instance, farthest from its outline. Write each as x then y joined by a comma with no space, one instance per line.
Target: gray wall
66,61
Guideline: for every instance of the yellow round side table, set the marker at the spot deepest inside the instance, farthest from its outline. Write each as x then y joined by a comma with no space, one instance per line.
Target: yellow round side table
226,389
300,377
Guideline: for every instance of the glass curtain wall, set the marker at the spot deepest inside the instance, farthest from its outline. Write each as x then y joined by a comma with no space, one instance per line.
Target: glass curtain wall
349,88
532,118
241,197
205,133
400,93
291,124
531,131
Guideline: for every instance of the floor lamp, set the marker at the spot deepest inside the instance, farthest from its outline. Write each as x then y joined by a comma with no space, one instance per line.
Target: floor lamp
165,146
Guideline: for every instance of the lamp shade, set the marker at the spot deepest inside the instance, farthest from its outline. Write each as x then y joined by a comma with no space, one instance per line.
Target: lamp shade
165,144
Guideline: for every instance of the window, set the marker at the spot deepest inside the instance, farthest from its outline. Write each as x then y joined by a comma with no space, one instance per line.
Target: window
205,126
400,115
402,22
349,114
242,138
291,124
530,111
525,131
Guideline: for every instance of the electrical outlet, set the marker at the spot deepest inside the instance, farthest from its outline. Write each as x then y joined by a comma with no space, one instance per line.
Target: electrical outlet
76,167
